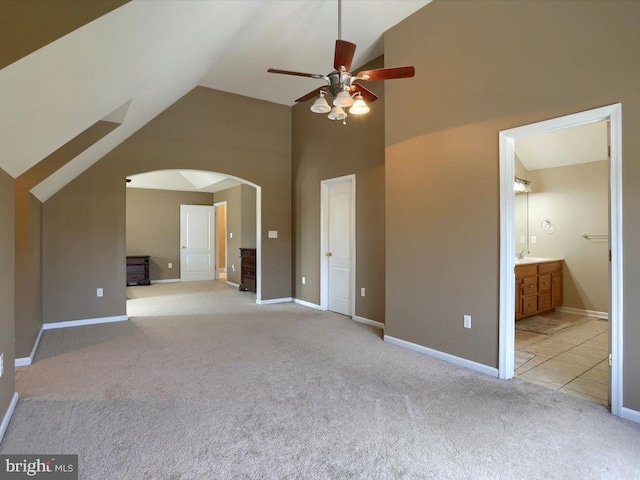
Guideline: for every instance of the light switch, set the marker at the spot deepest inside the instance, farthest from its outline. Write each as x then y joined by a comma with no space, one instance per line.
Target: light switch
534,239
273,234
230,234
523,239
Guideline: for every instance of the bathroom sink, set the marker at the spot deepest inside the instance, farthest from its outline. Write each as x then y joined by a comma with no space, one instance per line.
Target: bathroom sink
524,261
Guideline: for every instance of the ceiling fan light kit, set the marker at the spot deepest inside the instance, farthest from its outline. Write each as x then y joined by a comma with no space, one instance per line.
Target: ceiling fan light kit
343,99
359,106
337,113
341,83
321,105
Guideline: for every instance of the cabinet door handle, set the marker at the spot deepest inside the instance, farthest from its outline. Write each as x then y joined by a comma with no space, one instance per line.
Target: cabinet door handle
328,254
545,283
530,305
531,285
184,246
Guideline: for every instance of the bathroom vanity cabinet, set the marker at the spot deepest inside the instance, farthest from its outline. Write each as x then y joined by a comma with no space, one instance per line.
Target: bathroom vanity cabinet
538,287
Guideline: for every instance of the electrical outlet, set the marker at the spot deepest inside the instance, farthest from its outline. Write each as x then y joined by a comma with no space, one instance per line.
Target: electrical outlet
1,364
99,292
523,239
534,239
273,234
304,280
170,265
467,321
362,292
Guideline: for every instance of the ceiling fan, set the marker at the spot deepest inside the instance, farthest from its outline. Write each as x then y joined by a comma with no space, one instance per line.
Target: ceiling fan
341,83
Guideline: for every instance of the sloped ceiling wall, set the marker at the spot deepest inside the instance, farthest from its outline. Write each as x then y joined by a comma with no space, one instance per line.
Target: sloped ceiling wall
151,53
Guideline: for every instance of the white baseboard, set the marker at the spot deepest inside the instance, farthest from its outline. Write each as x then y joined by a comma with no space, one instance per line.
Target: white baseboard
169,280
7,416
26,361
630,414
307,304
586,313
231,284
447,357
274,300
88,321
373,323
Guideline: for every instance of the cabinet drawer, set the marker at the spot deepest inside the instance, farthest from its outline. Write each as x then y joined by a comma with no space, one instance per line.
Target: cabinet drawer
529,285
135,269
136,260
526,270
248,271
529,305
136,277
544,301
248,262
544,283
550,267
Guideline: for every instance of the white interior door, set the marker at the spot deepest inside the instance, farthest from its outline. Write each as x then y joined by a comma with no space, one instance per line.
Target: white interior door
339,245
197,243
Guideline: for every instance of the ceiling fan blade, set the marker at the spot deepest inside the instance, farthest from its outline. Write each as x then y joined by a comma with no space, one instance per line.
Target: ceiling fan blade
386,73
344,55
310,95
368,95
297,74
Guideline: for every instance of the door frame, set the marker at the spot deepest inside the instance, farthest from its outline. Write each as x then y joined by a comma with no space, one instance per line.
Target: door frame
612,114
216,205
324,240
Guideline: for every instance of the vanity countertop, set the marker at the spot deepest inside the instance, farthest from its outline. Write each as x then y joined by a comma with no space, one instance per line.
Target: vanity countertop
530,260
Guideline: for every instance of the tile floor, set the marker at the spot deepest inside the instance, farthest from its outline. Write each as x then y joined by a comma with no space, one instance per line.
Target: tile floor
573,360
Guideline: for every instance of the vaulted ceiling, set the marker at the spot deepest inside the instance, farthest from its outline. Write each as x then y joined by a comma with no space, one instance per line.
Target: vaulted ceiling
130,62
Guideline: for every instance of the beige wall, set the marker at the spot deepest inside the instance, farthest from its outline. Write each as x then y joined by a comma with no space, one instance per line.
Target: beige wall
576,200
28,234
324,149
84,223
28,265
483,67
241,225
7,279
153,227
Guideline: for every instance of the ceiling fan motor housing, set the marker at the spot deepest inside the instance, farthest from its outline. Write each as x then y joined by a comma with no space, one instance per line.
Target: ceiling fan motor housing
338,82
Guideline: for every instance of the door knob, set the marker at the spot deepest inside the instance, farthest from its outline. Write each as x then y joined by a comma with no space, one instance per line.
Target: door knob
184,246
328,254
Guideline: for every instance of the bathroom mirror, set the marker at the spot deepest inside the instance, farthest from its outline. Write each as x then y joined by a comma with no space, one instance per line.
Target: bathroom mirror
521,213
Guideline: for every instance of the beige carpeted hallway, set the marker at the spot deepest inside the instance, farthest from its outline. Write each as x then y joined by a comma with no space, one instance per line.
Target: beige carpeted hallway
202,383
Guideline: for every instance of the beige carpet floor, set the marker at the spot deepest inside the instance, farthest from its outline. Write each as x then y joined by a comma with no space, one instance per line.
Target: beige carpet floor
202,383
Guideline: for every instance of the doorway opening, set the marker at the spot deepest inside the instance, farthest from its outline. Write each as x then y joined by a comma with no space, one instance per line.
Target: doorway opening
221,240
154,201
512,300
338,245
